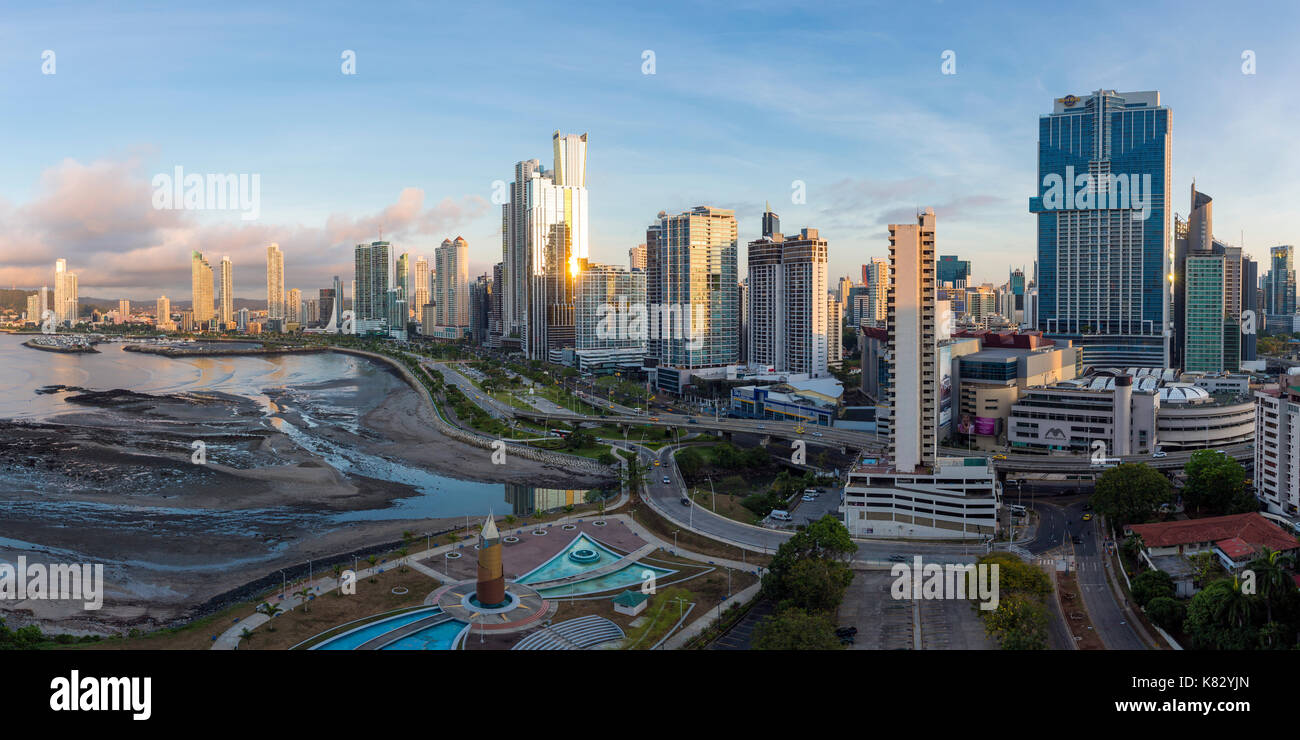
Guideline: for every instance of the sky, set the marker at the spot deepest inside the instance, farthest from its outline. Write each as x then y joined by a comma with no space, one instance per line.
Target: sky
746,101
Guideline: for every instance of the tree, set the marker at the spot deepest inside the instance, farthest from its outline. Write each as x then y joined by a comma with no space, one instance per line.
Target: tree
1152,584
811,586
1130,493
1019,623
816,584
795,629
1216,485
270,610
304,595
1220,618
1167,612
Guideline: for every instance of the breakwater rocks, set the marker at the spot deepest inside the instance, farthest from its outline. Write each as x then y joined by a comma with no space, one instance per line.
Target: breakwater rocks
176,351
65,344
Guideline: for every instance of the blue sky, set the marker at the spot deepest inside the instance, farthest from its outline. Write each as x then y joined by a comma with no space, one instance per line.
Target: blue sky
746,98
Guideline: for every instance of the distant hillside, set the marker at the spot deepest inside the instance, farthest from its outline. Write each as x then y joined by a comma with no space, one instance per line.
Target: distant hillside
14,300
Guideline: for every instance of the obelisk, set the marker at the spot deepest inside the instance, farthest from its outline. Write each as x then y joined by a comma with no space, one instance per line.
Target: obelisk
491,590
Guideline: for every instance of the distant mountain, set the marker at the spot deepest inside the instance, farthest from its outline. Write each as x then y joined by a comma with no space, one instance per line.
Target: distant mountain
14,300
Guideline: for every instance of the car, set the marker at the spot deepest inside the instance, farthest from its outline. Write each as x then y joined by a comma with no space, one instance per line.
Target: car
842,631
809,498
666,480
760,426
897,558
656,463
686,501
846,640
1087,517
691,421
654,418
1159,453
999,456
817,434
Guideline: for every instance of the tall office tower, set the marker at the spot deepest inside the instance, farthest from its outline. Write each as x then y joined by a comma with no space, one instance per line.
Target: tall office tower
373,265
771,222
163,320
123,311
480,309
326,307
311,312
834,331
1250,302
274,282
912,346
226,305
33,309
66,305
420,293
788,330
1204,320
1017,287
555,216
636,257
46,301
395,313
605,337
451,287
1279,284
952,272
1103,206
404,278
876,277
742,300
496,311
1195,238
293,307
514,250
201,290
692,271
842,289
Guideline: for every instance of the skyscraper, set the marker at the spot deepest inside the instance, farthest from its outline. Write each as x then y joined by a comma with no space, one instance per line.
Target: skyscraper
1279,283
226,314
788,329
514,250
1103,206
951,271
911,317
555,238
451,288
274,282
421,292
293,307
200,290
605,336
404,277
876,277
636,257
373,265
66,305
1204,321
163,320
123,311
691,291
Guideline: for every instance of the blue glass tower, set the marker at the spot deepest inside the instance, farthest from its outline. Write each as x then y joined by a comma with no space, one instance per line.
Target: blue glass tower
1103,208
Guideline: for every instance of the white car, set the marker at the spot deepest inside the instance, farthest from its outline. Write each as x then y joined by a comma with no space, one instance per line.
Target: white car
1159,453
666,480
817,434
809,498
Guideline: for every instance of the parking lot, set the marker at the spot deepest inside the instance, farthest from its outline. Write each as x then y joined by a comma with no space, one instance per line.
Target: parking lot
886,623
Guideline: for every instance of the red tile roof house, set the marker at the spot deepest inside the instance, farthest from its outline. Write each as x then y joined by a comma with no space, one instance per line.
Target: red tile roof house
1234,539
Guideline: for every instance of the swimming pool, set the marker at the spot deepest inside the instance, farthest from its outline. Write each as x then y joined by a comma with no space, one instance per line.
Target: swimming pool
563,566
440,636
630,575
354,638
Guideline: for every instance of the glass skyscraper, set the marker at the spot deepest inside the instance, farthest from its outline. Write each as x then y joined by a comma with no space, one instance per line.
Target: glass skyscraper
1103,207
1204,348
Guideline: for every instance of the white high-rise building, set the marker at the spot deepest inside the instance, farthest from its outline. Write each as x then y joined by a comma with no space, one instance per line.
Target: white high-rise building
274,282
374,275
916,494
66,305
201,290
421,293
164,314
834,331
788,328
606,335
451,289
876,276
293,308
555,239
123,311
514,251
226,312
636,257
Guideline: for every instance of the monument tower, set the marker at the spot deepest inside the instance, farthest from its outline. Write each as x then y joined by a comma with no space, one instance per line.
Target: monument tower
491,590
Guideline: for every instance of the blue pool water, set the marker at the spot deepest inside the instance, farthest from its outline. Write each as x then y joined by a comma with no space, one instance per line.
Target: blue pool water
352,639
437,637
561,566
631,575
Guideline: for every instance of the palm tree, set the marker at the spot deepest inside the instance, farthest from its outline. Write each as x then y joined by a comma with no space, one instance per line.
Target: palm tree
338,575
371,559
403,552
1272,580
270,610
304,594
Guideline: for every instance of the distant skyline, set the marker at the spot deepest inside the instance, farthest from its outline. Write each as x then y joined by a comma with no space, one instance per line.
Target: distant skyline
445,100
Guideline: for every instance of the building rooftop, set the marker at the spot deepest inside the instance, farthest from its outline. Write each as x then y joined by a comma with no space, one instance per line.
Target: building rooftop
1251,528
